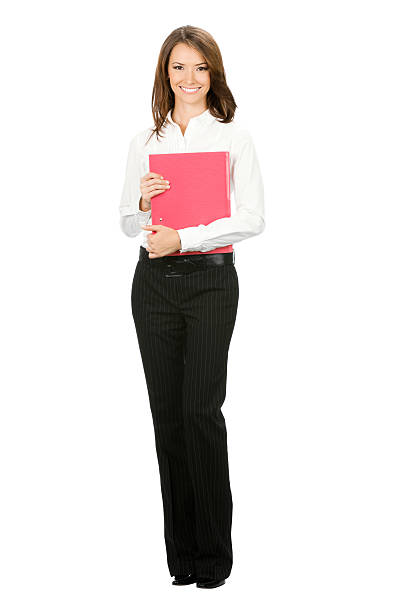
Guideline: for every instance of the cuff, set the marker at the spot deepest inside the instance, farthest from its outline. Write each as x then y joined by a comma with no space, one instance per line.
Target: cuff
143,216
133,209
189,239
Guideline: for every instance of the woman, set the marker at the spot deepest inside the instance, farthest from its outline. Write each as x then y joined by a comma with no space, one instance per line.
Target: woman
184,307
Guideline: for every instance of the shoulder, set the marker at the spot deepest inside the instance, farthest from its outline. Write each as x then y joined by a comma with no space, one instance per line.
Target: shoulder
238,138
238,134
235,128
139,140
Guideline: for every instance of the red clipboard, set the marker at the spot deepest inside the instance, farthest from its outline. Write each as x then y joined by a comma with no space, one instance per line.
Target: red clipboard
199,191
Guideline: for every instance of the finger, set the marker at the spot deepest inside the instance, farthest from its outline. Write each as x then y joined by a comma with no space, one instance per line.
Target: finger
152,174
156,182
154,192
150,191
152,178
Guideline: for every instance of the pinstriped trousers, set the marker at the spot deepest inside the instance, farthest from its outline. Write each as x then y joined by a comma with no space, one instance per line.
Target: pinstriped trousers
184,322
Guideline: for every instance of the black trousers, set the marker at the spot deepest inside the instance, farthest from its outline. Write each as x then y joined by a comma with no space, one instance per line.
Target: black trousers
184,316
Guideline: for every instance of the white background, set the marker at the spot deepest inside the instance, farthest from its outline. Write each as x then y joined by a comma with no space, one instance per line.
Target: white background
317,383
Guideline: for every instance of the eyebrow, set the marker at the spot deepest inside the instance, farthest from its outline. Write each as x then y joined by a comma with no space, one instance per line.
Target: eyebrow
175,62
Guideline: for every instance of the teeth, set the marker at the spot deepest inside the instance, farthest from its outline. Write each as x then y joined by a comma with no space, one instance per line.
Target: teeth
188,90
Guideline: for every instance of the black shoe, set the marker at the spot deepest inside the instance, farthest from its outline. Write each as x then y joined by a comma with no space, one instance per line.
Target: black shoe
181,579
209,583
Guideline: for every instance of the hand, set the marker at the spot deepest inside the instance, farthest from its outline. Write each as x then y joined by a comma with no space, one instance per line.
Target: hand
165,241
152,184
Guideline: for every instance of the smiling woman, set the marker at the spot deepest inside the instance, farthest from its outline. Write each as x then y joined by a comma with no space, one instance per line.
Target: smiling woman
184,307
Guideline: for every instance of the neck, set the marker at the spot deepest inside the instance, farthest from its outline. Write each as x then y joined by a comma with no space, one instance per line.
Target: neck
183,114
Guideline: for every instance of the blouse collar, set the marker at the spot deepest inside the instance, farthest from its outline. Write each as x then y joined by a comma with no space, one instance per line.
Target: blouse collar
205,118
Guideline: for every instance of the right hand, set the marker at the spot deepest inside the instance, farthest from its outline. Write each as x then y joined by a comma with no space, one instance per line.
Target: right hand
151,184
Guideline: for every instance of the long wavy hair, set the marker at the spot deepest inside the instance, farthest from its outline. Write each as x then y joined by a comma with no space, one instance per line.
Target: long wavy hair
220,100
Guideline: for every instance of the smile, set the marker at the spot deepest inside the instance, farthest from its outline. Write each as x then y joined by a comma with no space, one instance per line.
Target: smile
187,90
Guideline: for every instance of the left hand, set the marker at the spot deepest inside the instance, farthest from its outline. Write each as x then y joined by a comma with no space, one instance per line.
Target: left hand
164,242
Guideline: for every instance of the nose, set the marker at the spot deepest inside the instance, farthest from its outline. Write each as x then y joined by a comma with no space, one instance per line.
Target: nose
190,77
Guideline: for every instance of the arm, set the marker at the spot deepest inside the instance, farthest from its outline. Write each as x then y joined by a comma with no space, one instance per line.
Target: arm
132,214
249,218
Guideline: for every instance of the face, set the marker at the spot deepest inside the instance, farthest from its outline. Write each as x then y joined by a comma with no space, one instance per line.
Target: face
188,68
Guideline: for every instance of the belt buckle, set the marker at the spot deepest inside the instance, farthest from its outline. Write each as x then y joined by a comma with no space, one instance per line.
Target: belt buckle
178,267
171,271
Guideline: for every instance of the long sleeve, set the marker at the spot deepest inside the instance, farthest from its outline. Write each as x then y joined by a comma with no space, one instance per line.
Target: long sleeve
131,217
249,218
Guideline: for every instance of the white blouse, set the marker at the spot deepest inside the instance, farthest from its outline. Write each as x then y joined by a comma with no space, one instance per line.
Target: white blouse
203,133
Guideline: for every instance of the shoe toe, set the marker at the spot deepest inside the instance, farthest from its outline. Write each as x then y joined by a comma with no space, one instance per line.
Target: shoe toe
209,583
180,579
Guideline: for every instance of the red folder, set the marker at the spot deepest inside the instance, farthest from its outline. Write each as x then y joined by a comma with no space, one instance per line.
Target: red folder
199,191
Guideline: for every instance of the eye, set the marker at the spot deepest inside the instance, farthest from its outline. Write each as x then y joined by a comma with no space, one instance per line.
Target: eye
200,68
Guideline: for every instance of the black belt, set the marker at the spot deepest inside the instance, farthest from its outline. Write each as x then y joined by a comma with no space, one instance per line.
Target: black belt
188,261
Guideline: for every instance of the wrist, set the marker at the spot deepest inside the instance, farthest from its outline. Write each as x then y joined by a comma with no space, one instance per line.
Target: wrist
143,205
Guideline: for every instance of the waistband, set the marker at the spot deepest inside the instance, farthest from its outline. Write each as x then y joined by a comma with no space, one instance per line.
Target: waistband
211,259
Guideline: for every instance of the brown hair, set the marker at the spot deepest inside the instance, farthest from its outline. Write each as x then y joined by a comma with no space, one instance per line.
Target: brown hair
220,100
